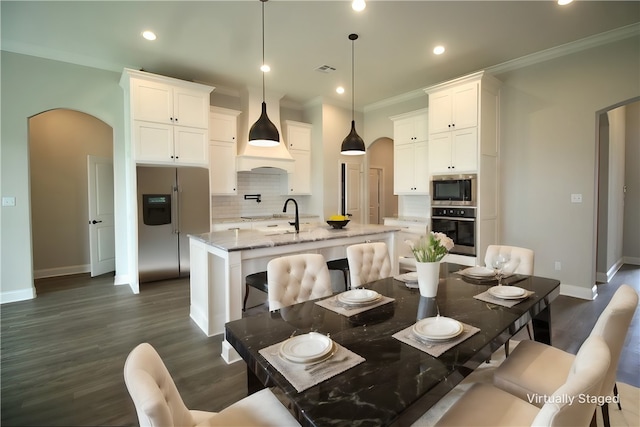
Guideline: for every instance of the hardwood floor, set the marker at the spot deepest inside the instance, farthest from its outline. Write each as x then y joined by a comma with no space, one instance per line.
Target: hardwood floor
62,353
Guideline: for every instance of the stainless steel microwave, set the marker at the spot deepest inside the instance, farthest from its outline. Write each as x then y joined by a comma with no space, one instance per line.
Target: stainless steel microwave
454,190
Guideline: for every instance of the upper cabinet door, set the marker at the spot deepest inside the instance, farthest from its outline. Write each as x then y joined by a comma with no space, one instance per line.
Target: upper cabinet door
298,136
440,111
465,106
223,125
190,108
152,101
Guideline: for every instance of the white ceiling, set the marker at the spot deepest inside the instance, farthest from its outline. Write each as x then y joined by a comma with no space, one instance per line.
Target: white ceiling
219,42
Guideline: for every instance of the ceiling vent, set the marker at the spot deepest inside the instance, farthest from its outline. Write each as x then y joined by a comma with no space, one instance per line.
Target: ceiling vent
325,69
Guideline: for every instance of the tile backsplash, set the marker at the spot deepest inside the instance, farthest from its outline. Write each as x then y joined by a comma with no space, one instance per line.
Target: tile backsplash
270,186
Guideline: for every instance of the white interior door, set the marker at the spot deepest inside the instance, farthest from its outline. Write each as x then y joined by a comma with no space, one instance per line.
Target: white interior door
353,187
374,195
101,212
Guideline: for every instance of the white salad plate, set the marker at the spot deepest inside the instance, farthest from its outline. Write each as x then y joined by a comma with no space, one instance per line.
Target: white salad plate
358,297
307,348
437,328
507,292
478,271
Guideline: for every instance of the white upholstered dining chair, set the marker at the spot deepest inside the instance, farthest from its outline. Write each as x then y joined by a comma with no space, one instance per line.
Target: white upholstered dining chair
536,368
159,404
486,405
368,262
521,261
296,278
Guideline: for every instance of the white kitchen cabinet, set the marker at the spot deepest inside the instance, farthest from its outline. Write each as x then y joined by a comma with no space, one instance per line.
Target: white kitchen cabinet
223,178
298,140
157,143
163,102
167,118
223,131
410,148
223,124
410,128
464,138
453,152
453,108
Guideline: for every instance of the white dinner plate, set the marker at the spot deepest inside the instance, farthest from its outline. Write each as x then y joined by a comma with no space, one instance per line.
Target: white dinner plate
358,297
478,271
410,277
437,328
307,348
507,292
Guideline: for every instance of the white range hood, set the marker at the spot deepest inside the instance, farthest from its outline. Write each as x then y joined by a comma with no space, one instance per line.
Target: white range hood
251,157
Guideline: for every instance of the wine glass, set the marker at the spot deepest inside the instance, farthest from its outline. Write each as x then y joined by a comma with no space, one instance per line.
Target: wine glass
498,263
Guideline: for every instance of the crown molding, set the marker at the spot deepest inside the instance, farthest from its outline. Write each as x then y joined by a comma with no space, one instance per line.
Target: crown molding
567,49
525,61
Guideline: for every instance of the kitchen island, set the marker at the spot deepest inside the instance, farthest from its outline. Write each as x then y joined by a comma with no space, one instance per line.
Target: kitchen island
220,261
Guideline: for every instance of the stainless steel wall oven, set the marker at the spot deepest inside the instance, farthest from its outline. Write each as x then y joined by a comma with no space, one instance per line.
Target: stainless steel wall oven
458,223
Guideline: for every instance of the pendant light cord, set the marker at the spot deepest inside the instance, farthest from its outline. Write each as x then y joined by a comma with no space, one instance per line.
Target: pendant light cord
262,65
353,38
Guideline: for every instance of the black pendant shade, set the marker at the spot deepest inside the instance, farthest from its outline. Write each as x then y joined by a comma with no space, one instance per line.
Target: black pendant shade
352,145
264,133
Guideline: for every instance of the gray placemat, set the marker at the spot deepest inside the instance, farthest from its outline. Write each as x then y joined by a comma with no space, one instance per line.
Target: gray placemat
487,297
333,304
303,376
434,348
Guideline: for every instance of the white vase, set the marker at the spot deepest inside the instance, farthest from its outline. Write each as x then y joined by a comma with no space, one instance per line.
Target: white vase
428,278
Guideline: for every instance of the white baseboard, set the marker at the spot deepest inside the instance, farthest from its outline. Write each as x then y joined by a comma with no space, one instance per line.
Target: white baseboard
631,260
14,296
579,291
61,271
121,279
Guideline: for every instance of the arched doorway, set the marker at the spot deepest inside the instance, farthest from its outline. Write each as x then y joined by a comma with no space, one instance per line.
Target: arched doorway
60,143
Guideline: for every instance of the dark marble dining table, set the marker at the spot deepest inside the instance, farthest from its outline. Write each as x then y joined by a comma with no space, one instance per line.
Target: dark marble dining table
397,383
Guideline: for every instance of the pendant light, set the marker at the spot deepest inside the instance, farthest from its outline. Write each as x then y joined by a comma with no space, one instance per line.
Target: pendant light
263,133
352,145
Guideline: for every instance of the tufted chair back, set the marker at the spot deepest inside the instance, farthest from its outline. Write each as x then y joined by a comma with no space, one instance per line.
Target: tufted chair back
297,278
368,262
612,326
521,261
585,379
157,400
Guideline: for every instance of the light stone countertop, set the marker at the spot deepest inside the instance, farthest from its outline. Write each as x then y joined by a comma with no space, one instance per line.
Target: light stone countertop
238,240
266,217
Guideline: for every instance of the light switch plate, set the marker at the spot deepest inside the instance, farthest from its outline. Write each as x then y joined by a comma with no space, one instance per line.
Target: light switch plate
8,201
576,198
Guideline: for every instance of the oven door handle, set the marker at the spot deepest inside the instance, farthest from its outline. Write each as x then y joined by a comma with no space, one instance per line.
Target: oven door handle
450,218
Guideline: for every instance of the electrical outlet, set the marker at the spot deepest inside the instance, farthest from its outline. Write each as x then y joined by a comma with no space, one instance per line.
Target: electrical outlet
576,198
558,265
8,201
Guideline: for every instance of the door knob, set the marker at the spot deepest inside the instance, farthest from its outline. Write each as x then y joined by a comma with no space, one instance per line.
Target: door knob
95,222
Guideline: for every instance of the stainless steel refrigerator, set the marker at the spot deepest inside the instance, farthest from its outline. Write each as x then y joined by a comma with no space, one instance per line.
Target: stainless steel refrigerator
172,203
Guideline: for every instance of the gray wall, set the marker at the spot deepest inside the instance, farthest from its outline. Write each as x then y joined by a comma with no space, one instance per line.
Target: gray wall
548,134
30,86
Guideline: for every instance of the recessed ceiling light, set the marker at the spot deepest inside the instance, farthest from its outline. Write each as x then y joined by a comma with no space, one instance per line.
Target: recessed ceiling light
265,68
358,5
149,35
340,90
564,2
438,50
